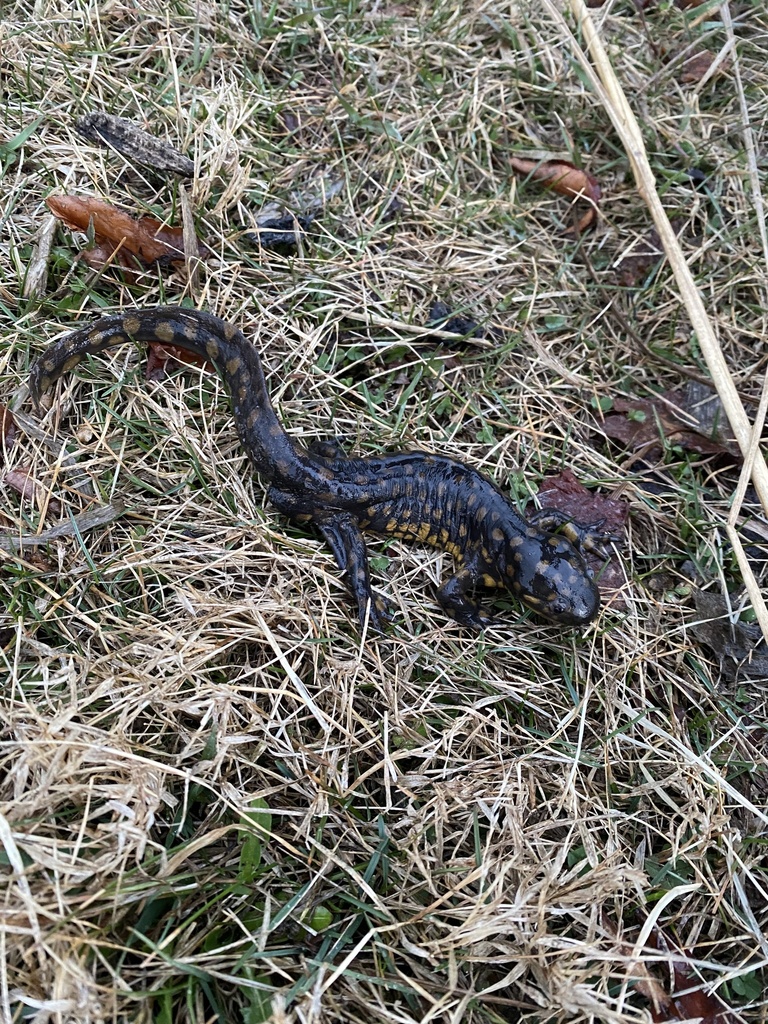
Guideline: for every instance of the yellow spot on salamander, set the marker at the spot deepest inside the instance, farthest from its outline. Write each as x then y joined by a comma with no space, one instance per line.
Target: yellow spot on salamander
70,362
233,365
165,330
131,324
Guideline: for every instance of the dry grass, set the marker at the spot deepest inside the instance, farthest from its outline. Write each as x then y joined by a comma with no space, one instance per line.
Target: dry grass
219,801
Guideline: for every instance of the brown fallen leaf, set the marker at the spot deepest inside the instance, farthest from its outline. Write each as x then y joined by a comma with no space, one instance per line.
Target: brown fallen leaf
697,66
687,998
645,254
739,646
101,255
39,560
23,482
566,493
566,178
158,355
117,232
642,423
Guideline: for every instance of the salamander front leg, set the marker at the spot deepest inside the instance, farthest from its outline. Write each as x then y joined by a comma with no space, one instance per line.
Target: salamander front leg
456,602
584,536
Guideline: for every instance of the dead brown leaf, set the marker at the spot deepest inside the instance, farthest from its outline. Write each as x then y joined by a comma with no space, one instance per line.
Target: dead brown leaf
697,66
739,646
158,355
687,998
566,178
567,494
644,256
23,482
640,423
646,253
118,234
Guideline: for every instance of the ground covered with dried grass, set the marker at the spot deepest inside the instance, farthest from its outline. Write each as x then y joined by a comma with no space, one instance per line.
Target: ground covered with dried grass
220,802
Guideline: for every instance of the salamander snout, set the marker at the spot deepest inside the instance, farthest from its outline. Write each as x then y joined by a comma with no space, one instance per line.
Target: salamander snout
576,608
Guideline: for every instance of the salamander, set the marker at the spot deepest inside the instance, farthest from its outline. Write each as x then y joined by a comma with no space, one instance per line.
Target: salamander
413,494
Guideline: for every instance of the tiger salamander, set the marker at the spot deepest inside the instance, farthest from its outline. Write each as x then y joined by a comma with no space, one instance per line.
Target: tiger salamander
414,495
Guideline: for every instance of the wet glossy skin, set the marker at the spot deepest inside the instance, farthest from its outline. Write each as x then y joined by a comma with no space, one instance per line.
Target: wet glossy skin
414,495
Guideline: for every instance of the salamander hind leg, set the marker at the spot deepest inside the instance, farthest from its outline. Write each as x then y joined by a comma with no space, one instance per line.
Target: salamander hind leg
343,536
327,448
346,541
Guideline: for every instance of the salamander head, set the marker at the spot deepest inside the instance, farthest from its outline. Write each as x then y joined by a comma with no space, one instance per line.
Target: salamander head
551,577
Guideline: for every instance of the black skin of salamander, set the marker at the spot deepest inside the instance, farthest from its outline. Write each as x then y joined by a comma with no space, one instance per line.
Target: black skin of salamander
415,495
